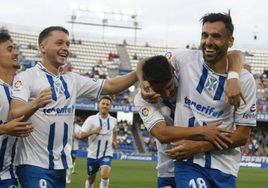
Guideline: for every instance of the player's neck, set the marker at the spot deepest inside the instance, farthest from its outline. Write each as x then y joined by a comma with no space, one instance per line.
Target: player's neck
104,116
50,67
218,67
7,76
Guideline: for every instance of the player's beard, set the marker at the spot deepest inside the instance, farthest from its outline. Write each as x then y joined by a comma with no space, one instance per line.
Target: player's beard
17,66
220,52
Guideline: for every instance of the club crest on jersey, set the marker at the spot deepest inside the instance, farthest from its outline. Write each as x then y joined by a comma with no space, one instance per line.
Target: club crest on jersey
211,84
59,88
168,55
145,112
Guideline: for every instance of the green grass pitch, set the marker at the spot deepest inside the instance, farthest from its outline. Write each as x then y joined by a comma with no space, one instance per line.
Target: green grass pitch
139,174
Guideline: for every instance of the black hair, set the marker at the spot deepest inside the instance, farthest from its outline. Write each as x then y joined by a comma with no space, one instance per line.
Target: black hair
215,17
157,70
4,36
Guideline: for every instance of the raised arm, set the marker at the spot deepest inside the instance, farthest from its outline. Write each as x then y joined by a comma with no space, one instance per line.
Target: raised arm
18,108
149,96
233,90
119,84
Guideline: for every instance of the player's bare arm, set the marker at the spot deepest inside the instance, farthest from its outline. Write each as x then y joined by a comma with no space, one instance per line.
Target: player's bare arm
233,90
84,135
16,128
211,133
114,143
146,94
119,84
189,148
19,108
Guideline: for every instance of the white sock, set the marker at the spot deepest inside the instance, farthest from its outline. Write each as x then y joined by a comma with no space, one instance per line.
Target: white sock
89,185
104,183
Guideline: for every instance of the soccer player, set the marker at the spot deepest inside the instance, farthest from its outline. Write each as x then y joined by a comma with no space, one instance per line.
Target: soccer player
201,102
9,131
47,98
157,116
102,132
75,146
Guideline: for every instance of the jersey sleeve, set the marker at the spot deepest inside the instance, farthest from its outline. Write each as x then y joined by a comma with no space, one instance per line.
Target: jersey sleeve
88,86
87,126
21,87
149,113
246,114
179,58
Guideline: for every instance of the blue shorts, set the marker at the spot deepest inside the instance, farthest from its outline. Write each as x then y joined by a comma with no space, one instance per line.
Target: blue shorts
192,175
10,183
93,165
166,182
33,176
73,154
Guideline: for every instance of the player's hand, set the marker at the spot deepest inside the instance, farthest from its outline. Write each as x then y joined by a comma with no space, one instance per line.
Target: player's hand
44,98
97,130
17,128
214,135
234,93
150,97
186,150
114,145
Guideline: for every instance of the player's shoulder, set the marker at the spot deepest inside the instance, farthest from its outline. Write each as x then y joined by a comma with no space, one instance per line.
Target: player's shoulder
182,53
113,118
31,72
246,76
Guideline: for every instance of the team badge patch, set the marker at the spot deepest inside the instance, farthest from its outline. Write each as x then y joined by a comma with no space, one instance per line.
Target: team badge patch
211,84
59,88
145,112
168,55
18,86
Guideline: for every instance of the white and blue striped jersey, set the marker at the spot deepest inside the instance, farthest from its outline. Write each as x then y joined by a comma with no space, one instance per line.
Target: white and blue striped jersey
151,114
75,141
7,142
201,101
100,145
47,146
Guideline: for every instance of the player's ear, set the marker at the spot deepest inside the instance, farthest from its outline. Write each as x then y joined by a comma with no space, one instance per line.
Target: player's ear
172,71
42,48
231,42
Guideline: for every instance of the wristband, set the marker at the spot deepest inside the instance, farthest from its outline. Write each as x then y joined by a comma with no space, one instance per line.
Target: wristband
233,75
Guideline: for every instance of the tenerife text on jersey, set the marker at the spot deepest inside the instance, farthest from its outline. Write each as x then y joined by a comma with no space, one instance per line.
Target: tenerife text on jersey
207,111
64,111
